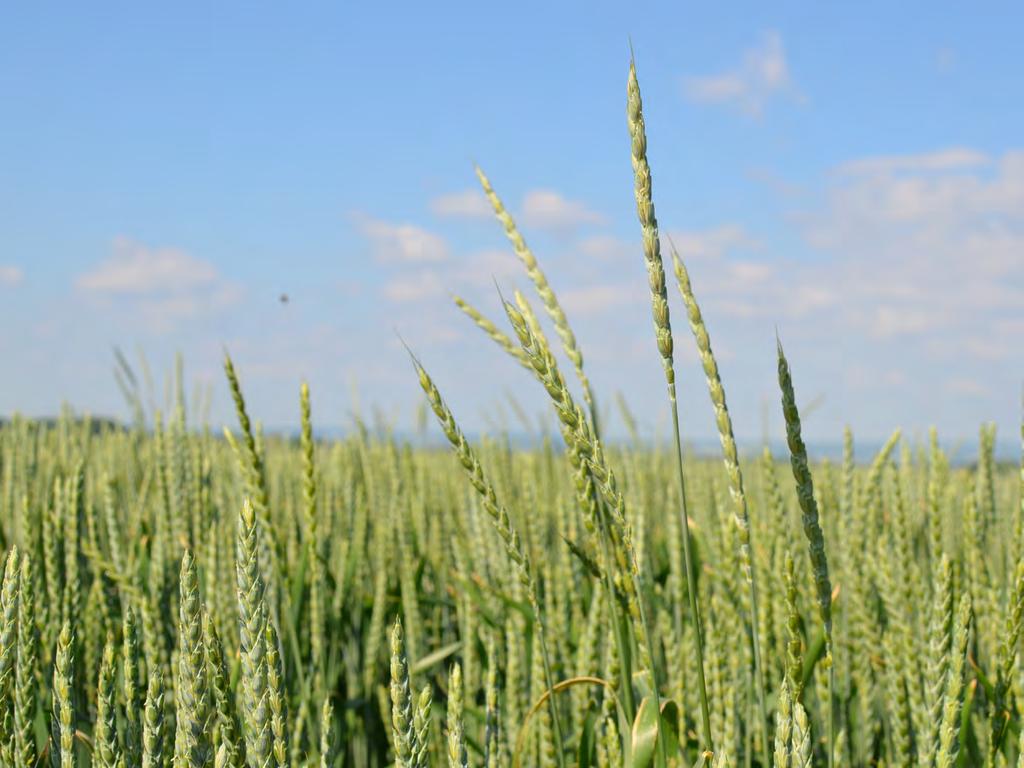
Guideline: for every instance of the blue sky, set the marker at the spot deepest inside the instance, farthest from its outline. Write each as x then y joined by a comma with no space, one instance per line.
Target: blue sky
853,176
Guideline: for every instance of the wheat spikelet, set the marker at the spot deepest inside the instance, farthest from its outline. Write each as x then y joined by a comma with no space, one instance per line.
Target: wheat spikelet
649,226
132,693
730,455
403,730
496,335
26,688
10,593
544,290
950,726
106,749
499,517
783,727
805,495
940,629
457,757
327,734
313,548
663,337
252,622
63,744
193,748
153,722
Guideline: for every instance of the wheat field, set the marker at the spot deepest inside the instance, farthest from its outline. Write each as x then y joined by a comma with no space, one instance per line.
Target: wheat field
179,595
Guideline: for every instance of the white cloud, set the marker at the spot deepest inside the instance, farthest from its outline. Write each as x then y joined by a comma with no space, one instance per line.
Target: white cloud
930,245
161,285
547,209
705,245
922,193
471,203
950,159
751,273
541,208
732,273
607,248
708,243
965,386
10,274
412,288
482,268
727,276
861,376
468,275
402,243
433,331
988,348
888,321
595,299
136,268
761,75
775,182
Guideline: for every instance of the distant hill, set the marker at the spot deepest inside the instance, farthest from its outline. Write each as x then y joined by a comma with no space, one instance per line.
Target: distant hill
98,423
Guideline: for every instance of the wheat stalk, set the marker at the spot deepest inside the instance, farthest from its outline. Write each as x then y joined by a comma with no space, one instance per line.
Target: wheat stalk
730,454
499,517
663,337
812,528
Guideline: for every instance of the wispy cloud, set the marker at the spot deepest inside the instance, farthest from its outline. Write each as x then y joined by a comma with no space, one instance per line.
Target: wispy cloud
599,298
951,159
161,284
404,289
762,75
547,209
10,274
993,348
470,204
608,248
733,277
540,208
970,223
136,268
926,245
711,243
705,244
890,320
470,275
966,387
401,243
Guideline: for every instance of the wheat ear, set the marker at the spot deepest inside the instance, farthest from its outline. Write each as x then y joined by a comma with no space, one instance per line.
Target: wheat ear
544,290
811,526
663,337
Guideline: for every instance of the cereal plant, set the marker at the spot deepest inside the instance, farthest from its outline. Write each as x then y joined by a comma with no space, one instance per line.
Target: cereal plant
176,596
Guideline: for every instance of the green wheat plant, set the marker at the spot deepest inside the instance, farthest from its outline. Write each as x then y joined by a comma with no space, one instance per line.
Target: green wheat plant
175,594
